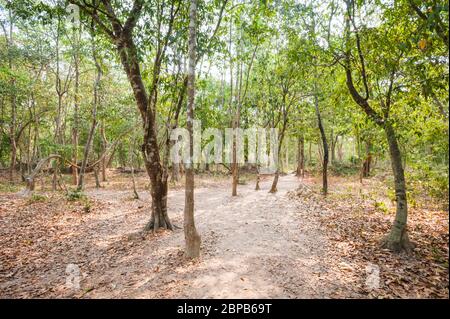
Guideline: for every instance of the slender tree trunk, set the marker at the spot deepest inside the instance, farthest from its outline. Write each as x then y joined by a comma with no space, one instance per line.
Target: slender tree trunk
175,172
325,148
340,150
301,156
12,170
190,232
104,162
273,188
94,117
133,179
75,116
258,179
235,165
367,161
97,179
398,237
309,153
333,147
55,176
12,132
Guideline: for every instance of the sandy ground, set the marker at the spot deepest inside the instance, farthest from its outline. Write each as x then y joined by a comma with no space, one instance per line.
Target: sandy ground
255,245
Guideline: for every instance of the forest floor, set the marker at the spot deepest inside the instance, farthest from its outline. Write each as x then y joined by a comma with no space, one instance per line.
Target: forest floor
292,244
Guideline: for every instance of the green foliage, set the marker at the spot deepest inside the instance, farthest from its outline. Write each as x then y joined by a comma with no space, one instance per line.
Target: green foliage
6,187
37,198
344,169
381,206
75,195
289,52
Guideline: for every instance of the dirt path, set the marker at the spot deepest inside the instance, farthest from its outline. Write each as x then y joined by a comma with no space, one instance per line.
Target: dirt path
255,245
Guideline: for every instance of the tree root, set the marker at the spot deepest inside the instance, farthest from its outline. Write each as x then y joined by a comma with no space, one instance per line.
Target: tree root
397,246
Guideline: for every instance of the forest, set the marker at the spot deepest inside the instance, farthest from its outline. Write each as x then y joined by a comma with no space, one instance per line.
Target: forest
224,149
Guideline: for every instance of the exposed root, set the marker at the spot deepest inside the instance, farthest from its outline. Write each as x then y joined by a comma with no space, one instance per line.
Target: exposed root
397,246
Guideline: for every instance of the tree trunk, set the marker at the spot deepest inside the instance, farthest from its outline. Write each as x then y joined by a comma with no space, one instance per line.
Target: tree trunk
367,161
13,105
273,188
133,179
104,162
190,232
340,150
175,172
97,180
309,153
334,140
75,116
398,236
94,116
86,154
301,157
325,148
258,179
121,36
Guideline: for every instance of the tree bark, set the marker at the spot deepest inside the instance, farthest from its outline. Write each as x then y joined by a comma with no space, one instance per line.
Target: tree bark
190,232
75,116
13,104
104,162
397,239
94,115
325,147
301,156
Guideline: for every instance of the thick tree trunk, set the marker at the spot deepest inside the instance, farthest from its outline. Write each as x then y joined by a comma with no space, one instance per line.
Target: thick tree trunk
150,149
397,239
158,184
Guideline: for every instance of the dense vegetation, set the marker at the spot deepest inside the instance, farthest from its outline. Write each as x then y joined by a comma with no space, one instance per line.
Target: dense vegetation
350,85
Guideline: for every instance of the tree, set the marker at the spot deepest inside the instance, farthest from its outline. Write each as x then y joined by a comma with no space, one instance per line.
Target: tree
120,34
190,232
398,237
